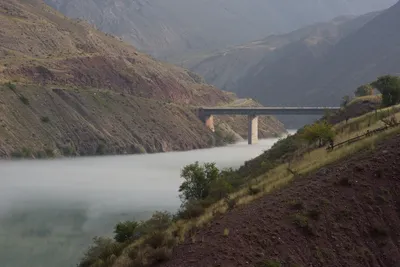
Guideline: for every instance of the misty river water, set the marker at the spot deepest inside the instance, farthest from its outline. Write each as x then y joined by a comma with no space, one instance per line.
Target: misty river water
51,209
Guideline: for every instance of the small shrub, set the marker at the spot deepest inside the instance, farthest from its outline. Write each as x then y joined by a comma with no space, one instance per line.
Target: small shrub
133,253
170,242
302,222
102,250
24,100
16,154
26,152
41,154
101,149
49,152
68,150
314,214
156,239
364,90
11,86
189,210
125,231
296,204
319,132
230,202
159,221
254,190
45,119
226,232
158,255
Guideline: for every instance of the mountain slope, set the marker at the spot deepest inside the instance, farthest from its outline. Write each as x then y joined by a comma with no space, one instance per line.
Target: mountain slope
176,29
225,69
346,214
357,58
70,89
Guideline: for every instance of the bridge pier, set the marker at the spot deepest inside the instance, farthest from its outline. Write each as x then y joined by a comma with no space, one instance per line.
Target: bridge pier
209,122
252,135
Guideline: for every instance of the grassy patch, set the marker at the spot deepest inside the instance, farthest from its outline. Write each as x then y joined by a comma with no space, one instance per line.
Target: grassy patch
364,122
226,232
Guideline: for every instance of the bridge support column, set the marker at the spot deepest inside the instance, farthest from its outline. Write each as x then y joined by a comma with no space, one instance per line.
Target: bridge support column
252,134
209,122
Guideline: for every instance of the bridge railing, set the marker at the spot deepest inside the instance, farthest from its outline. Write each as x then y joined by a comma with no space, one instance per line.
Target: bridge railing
267,110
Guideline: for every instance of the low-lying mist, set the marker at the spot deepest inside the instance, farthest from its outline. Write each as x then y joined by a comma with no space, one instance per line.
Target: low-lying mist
50,210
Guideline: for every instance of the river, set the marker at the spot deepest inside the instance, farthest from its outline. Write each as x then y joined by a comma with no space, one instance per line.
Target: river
51,209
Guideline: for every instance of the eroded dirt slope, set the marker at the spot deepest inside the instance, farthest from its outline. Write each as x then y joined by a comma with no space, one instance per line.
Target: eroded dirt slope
69,87
347,214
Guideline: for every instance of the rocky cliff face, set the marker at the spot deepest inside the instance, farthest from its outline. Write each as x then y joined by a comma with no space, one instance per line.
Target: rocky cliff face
70,89
177,29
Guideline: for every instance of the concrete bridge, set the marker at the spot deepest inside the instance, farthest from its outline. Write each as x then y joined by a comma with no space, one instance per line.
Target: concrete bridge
206,115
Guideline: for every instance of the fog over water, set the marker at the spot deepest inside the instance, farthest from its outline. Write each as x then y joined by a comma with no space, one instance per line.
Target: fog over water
96,192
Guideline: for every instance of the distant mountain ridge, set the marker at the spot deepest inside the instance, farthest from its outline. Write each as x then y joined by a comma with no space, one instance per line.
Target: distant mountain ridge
225,69
178,29
316,64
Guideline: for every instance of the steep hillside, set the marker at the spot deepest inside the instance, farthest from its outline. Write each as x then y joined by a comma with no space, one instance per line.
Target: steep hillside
276,53
300,76
297,204
343,215
70,89
176,29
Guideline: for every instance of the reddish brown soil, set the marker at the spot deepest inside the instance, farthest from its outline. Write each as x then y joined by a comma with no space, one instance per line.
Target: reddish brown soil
351,218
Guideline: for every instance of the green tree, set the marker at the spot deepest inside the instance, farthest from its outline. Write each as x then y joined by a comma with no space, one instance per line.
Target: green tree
220,188
320,132
389,87
159,221
345,100
364,90
197,180
125,231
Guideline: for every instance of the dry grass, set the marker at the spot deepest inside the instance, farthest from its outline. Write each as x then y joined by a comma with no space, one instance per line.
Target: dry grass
370,98
365,122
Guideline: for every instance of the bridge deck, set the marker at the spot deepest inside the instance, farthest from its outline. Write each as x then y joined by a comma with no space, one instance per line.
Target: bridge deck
267,110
